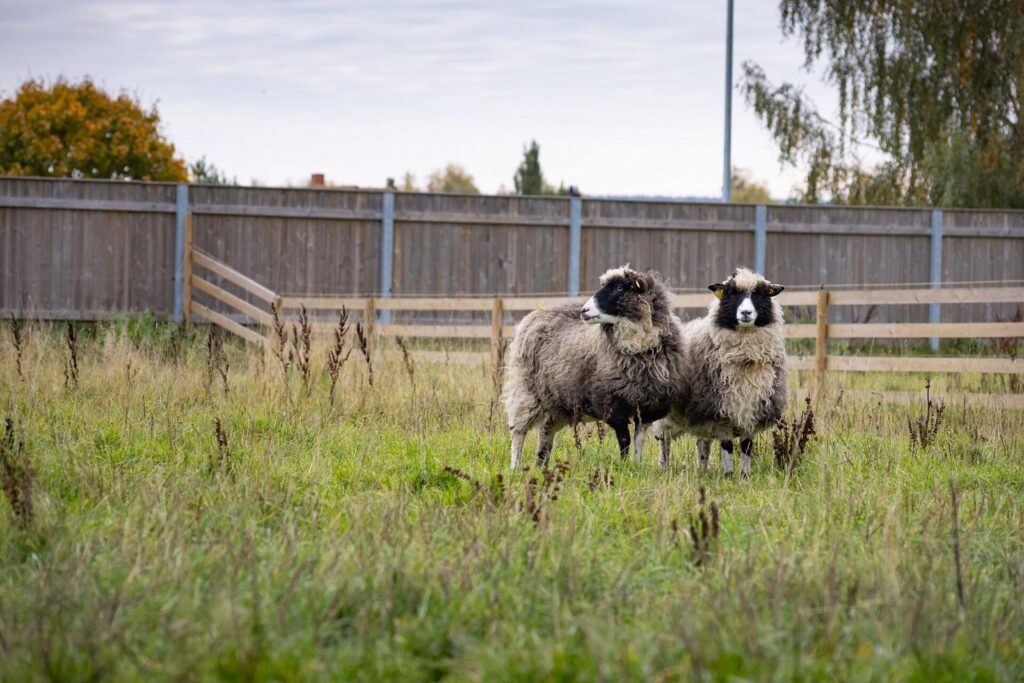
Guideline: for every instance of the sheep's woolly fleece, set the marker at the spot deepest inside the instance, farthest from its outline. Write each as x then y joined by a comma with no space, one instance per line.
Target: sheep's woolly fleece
614,272
746,279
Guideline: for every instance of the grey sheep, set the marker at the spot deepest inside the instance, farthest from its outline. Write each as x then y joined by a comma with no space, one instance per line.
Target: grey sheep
617,360
735,364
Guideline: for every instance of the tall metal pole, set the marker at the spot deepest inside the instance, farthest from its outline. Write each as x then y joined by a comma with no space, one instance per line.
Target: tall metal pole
727,160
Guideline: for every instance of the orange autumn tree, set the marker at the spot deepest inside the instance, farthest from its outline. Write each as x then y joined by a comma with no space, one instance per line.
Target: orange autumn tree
77,130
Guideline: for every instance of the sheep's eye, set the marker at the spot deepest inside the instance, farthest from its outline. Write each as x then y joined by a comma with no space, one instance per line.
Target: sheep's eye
619,287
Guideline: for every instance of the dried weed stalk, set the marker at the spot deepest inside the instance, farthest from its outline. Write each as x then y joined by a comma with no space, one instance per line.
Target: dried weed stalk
19,345
704,530
790,439
71,365
302,345
221,460
280,348
541,493
407,361
364,347
336,356
16,474
925,429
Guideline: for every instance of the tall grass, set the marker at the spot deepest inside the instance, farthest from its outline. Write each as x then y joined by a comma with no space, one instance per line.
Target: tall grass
178,533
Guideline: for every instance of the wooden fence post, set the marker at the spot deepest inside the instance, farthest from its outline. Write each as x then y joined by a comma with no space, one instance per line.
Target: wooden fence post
369,315
497,313
186,280
820,344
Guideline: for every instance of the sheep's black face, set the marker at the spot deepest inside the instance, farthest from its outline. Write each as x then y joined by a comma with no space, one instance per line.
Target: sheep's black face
745,304
623,296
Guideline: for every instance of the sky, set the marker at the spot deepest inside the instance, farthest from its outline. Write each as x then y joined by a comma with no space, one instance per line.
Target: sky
625,97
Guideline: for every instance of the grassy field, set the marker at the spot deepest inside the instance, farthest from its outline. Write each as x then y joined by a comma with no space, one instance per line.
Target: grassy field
383,537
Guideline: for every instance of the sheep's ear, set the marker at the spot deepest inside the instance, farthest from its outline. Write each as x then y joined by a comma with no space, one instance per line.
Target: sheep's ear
718,288
775,290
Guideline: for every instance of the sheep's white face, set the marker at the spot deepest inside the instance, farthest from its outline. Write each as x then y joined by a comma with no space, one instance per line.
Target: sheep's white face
746,313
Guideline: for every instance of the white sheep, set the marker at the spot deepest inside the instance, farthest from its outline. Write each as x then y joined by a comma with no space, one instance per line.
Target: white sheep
735,366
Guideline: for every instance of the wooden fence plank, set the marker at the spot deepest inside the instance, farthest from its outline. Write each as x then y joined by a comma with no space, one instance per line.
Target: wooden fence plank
323,303
800,362
480,219
921,330
1008,401
61,204
451,304
259,210
914,364
204,260
820,343
801,331
434,331
529,303
230,299
809,298
928,296
452,357
229,324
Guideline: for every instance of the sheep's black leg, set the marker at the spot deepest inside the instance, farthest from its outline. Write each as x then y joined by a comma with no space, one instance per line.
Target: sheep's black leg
746,449
622,436
727,457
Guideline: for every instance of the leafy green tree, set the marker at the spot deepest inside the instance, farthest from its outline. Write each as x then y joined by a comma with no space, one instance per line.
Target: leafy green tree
746,190
529,178
452,178
77,130
204,173
934,86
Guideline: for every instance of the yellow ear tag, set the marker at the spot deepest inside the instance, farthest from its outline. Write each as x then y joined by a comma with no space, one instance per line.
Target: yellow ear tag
719,293
637,283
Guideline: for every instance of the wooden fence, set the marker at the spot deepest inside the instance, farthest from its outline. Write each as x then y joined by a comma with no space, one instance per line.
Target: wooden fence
498,331
98,249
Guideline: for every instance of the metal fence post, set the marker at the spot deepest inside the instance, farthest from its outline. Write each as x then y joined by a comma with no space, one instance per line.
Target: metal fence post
180,213
387,251
575,244
936,271
760,236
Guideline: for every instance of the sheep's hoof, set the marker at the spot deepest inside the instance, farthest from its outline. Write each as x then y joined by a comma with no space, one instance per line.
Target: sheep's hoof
728,475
